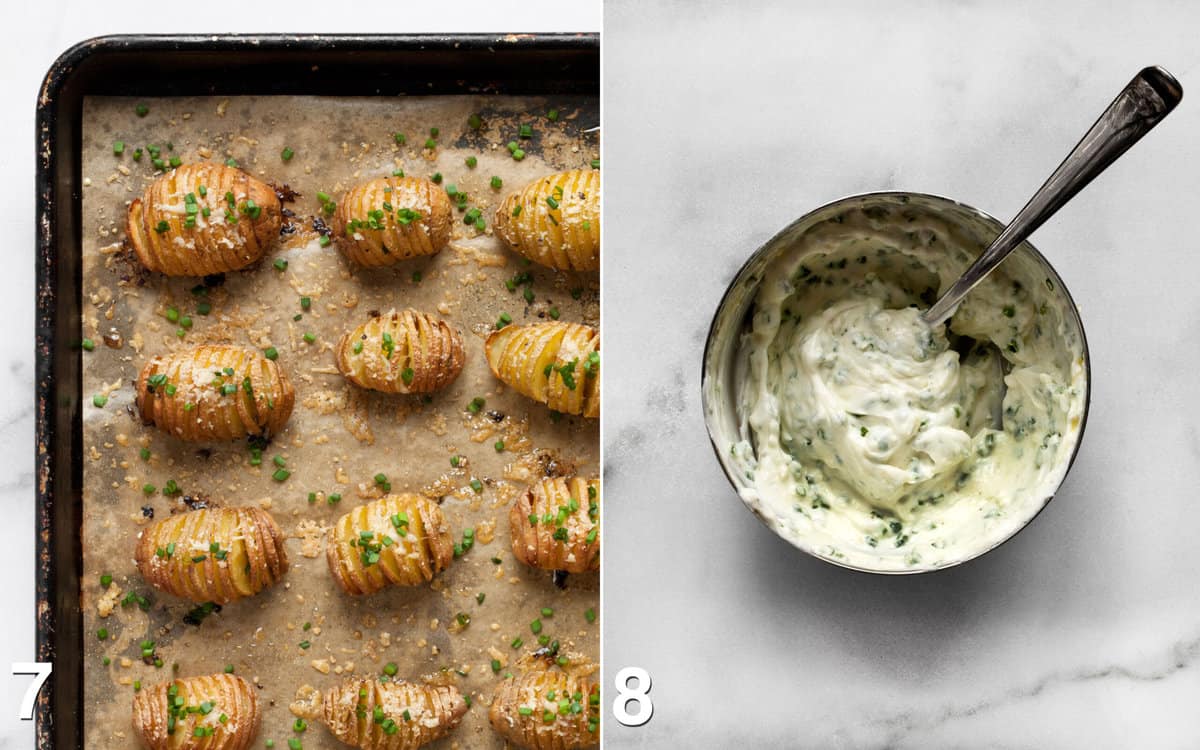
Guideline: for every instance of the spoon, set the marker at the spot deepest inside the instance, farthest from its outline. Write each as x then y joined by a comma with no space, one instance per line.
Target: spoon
1148,98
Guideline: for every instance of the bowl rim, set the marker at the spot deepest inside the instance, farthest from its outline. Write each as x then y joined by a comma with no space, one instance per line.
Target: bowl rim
885,194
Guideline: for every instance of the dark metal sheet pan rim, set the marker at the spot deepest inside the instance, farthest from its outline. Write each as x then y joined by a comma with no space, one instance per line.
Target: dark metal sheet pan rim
456,57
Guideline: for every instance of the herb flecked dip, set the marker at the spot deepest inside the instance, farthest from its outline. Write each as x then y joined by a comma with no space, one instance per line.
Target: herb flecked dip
877,442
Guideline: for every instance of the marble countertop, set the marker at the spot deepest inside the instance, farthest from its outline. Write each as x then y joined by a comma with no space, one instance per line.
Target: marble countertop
726,121
45,30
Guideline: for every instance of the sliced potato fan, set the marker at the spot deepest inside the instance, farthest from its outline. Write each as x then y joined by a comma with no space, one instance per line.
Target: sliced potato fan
202,219
371,714
213,712
401,352
215,393
400,540
555,525
555,220
384,221
545,706
555,363
213,554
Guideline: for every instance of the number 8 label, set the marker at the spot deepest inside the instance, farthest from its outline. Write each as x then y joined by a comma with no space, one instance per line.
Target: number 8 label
639,694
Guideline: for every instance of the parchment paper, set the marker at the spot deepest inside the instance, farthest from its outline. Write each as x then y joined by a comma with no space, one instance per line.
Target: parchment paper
339,437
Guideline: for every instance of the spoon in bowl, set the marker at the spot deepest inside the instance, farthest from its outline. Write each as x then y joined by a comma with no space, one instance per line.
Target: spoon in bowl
1141,105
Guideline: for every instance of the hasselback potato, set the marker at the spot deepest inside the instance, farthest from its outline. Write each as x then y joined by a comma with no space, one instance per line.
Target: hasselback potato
395,715
401,352
555,363
547,707
555,221
212,554
214,712
215,392
556,525
384,221
397,540
203,218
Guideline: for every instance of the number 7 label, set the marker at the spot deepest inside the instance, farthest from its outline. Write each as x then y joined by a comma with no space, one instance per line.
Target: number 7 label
42,670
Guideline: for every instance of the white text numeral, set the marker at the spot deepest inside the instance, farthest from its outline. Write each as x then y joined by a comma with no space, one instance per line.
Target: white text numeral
639,694
42,670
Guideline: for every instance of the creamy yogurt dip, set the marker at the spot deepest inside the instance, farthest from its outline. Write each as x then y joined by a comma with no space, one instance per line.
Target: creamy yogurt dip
880,443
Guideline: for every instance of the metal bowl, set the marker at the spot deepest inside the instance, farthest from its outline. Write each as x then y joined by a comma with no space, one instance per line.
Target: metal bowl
721,377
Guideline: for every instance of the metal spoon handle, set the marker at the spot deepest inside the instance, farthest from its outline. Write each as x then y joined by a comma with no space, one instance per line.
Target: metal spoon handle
1148,98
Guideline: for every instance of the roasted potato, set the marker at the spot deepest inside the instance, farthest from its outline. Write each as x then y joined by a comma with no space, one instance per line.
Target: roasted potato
556,525
555,363
212,554
548,707
214,712
374,715
398,540
215,393
203,218
384,221
401,352
555,221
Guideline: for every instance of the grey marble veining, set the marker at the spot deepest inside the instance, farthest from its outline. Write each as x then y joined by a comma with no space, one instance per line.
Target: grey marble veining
725,122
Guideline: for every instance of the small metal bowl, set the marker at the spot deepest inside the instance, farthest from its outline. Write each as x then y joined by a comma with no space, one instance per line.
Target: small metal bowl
721,379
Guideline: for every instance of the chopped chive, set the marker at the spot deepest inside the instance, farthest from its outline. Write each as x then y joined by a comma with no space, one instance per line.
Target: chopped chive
87,345
281,475
99,400
552,115
271,353
281,264
475,122
471,162
286,154
497,183
141,110
526,131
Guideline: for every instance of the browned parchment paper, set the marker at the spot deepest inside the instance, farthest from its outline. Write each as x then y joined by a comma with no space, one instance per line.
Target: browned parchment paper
339,437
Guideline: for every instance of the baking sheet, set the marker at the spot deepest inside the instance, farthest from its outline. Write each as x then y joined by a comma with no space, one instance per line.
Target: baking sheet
339,437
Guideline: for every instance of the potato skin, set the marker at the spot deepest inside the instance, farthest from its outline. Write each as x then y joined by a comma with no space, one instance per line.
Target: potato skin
566,237
213,245
402,554
349,712
197,376
529,688
547,534
177,555
393,240
229,694
555,363
423,348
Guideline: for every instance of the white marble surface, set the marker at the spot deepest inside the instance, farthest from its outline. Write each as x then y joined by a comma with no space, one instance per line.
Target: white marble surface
726,121
37,33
